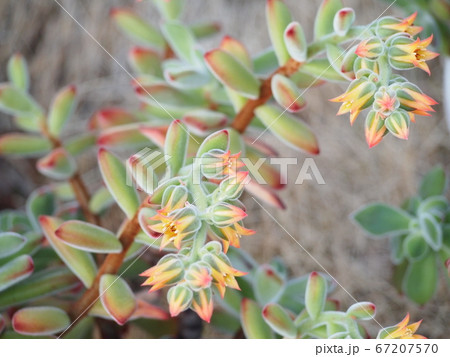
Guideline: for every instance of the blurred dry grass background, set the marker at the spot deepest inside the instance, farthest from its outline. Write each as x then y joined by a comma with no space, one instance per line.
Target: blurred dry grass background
59,52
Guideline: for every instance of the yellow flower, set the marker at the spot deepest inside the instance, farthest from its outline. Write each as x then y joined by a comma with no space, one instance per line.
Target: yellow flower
202,304
402,330
175,227
358,96
198,276
370,48
414,101
406,53
218,164
222,272
232,235
405,25
168,271
374,129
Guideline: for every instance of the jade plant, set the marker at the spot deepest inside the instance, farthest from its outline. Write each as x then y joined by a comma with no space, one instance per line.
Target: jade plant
63,273
419,235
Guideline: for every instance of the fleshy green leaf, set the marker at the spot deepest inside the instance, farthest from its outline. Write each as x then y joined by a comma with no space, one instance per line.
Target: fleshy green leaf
125,136
61,109
15,101
58,165
415,247
379,219
117,298
175,146
237,49
432,230
40,321
321,69
288,128
434,183
100,201
81,263
88,237
278,319
232,73
40,284
252,321
180,40
295,41
420,280
362,311
203,121
343,20
218,140
41,202
18,72
111,117
115,177
202,30
170,9
323,24
10,243
278,18
138,29
15,270
78,144
316,294
286,93
268,284
24,145
145,61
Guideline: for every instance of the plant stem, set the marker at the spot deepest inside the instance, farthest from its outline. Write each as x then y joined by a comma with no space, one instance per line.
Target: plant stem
246,113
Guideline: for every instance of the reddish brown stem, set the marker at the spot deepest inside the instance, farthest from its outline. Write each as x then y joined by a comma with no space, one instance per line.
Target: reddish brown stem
244,117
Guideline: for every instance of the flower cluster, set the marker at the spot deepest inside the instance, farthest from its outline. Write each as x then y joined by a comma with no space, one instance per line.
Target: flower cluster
202,205
392,99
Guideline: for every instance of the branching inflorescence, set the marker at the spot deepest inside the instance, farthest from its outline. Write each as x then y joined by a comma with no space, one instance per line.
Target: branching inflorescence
199,114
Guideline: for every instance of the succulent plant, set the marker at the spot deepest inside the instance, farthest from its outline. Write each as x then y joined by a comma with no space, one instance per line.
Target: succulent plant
200,113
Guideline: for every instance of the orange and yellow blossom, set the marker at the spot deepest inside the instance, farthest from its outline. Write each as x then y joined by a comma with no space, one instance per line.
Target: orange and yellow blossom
168,271
402,330
405,25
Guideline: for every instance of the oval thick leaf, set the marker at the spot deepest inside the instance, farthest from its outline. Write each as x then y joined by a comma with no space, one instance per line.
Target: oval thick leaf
18,72
123,136
81,263
41,202
117,298
237,49
278,18
115,177
295,41
175,146
15,101
286,93
24,145
218,140
138,29
58,165
40,284
181,40
415,247
15,270
203,121
379,219
88,237
420,280
10,243
277,318
232,73
316,294
362,311
432,230
40,321
252,321
268,284
323,24
288,128
61,109
434,183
